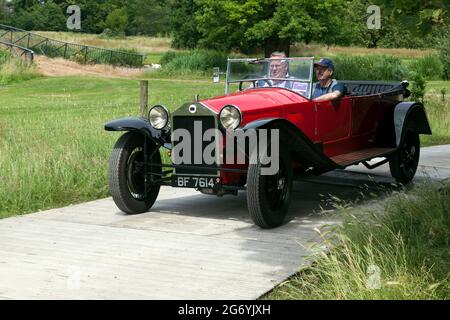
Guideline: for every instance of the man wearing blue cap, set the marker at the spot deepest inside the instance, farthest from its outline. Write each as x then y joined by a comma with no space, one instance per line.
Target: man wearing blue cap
327,88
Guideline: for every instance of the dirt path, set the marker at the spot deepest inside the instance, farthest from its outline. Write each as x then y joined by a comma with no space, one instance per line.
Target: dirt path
58,67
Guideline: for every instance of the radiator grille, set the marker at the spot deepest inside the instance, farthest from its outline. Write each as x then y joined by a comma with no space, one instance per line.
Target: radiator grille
188,123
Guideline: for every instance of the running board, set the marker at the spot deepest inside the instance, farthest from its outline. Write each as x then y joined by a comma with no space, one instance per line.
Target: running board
362,155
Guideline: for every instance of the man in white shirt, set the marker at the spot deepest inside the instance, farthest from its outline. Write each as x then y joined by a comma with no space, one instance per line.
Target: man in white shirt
277,69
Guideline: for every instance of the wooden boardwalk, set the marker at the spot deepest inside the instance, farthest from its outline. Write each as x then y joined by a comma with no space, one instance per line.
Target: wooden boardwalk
190,246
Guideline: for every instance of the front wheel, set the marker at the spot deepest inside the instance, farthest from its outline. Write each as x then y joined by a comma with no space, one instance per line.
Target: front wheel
269,197
404,162
133,186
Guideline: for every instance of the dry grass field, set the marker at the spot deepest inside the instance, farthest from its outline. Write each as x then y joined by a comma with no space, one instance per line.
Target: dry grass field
322,50
141,44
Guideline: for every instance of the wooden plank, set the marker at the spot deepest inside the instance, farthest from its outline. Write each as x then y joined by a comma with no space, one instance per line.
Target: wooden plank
360,155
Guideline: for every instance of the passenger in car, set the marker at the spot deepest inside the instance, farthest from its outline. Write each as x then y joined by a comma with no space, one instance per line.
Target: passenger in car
327,88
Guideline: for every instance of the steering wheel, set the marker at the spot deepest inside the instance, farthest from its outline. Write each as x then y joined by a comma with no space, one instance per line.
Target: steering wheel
250,76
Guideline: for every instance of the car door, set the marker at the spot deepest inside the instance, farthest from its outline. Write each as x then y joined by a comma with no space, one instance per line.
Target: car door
365,116
333,120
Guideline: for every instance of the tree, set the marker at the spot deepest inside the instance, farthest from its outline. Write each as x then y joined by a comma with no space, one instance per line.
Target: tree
23,4
2,11
93,13
117,21
422,16
269,24
149,17
184,24
39,16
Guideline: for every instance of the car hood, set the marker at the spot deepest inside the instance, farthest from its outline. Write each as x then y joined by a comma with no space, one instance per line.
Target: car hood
255,99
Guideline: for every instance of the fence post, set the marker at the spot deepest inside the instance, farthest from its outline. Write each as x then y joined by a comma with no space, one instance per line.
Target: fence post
144,97
85,54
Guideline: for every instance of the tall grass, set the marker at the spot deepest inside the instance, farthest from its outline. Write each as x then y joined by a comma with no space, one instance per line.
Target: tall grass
193,61
370,67
195,64
438,112
53,147
398,253
14,70
321,50
139,43
387,68
430,67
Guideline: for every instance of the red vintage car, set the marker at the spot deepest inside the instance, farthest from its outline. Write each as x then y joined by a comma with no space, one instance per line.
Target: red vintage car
370,121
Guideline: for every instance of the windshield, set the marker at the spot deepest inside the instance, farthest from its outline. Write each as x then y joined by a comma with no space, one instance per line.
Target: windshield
291,73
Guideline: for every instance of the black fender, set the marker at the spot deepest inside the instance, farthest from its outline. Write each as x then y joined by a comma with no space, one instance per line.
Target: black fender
405,112
308,153
141,125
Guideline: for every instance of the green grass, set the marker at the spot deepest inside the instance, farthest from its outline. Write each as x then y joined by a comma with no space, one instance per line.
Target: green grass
438,111
153,58
53,149
15,70
437,86
407,241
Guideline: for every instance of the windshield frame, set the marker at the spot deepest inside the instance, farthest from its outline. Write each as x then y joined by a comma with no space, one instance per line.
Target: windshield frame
263,60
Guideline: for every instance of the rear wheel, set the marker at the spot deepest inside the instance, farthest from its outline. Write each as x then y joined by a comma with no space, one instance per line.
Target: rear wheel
404,162
133,187
269,197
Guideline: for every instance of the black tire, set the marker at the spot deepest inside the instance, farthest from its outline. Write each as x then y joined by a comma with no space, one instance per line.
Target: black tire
131,192
404,162
268,198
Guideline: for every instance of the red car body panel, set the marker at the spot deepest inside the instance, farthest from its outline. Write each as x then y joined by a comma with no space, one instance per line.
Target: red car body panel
341,126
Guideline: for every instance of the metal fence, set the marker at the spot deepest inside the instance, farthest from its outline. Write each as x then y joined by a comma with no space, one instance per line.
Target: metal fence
79,53
19,51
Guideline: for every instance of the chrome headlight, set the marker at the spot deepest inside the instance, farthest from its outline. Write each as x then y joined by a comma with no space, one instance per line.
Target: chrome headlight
230,117
158,117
